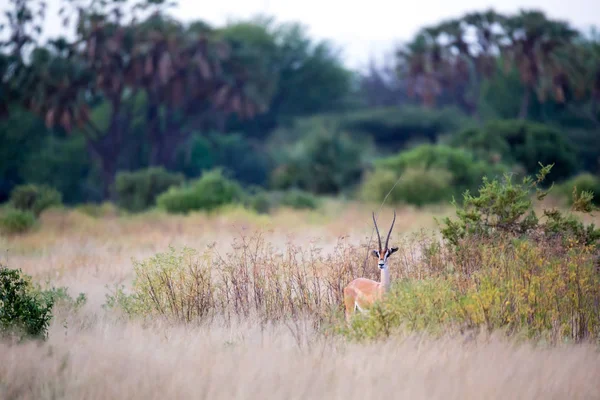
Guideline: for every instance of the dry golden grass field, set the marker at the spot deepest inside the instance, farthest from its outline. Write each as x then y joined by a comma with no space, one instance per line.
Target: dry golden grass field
261,343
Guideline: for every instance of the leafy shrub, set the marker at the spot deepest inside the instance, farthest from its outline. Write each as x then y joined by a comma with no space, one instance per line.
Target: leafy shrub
35,198
211,191
323,161
299,199
506,208
62,163
234,153
523,142
416,186
585,182
137,190
23,310
262,201
501,267
459,170
519,287
59,296
14,221
176,285
391,128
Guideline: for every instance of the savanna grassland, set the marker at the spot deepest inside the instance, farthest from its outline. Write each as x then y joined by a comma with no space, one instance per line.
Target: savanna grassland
267,322
182,203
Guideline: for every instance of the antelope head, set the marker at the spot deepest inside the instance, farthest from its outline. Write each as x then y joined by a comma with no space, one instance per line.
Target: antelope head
383,253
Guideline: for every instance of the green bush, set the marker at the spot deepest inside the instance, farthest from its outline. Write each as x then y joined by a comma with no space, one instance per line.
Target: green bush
500,267
137,190
234,153
523,142
585,182
417,186
323,161
461,167
59,296
391,128
394,128
299,199
518,287
175,285
13,221
62,163
503,207
35,198
209,192
23,310
263,201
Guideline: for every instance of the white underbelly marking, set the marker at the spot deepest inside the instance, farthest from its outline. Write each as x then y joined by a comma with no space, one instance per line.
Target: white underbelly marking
357,307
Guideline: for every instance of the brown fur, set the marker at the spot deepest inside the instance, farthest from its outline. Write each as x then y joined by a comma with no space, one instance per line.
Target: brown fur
363,292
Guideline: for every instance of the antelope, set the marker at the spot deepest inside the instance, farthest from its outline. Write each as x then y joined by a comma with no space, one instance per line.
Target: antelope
361,293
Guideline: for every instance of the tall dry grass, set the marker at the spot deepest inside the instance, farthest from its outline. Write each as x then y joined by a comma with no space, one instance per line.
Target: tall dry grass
258,279
105,359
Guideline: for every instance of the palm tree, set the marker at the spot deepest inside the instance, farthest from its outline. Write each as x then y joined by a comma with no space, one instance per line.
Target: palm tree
420,63
581,63
533,45
155,68
455,56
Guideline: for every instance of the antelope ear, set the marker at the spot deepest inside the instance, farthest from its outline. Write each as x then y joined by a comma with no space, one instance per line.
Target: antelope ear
393,250
375,253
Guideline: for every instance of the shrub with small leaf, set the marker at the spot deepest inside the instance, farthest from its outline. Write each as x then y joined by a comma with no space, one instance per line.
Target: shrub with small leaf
426,174
505,207
137,190
323,161
176,285
503,268
24,311
417,186
524,142
260,201
211,191
14,221
299,199
35,198
585,182
60,296
264,202
465,168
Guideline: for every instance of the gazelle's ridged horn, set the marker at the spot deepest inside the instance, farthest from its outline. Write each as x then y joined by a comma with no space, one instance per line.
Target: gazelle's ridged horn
377,229
390,232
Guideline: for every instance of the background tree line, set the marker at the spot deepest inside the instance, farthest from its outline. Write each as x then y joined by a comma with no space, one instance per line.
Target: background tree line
130,100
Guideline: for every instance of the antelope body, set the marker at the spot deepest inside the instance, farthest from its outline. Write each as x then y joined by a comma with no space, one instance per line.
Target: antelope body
361,293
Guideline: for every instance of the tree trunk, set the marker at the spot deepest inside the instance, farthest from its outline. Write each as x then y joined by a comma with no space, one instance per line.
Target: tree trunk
106,148
165,142
107,164
173,137
525,100
108,172
154,134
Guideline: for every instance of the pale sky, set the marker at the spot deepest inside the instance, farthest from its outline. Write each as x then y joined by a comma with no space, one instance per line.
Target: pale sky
366,28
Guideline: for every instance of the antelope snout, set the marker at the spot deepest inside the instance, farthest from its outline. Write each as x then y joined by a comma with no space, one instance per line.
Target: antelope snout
381,265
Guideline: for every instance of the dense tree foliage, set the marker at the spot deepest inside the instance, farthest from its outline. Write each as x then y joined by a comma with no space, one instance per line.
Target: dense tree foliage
127,87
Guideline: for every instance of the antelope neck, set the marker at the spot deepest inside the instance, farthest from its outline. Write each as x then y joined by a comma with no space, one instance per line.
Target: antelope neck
385,279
